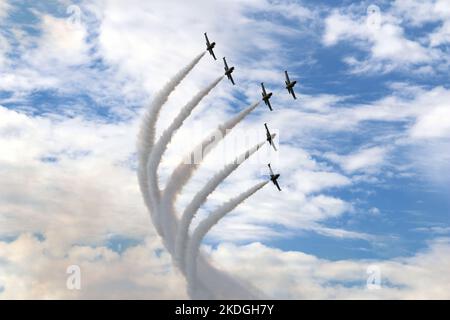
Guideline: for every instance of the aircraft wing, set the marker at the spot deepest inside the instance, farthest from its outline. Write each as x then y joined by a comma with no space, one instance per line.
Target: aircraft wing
267,129
263,89
231,79
225,61
212,53
273,145
207,41
270,168
287,77
293,94
276,183
268,104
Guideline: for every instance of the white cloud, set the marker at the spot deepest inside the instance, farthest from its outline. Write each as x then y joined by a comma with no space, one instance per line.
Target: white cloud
341,233
296,275
367,159
4,43
72,173
32,270
441,36
418,114
61,43
420,12
125,41
433,124
4,47
339,26
312,181
435,230
385,41
26,80
435,11
4,8
390,43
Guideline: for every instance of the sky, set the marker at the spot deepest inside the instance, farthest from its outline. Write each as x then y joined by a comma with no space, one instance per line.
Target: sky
363,152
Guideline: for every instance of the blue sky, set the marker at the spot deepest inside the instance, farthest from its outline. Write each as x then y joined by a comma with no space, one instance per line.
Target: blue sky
363,150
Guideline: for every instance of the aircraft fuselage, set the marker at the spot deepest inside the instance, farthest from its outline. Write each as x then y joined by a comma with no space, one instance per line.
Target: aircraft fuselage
290,85
266,97
229,71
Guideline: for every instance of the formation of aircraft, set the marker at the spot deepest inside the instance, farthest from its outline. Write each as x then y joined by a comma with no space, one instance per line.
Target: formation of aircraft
265,97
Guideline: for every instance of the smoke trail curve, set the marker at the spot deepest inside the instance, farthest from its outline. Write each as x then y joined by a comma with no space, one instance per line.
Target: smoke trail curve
160,147
183,172
146,135
200,198
205,226
181,175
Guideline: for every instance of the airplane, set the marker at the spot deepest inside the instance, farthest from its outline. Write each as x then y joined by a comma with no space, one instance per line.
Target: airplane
210,47
274,178
290,85
270,137
228,71
266,96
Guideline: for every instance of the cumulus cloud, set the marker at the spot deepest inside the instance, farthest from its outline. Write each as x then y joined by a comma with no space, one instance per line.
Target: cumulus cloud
384,37
362,160
66,173
32,270
387,41
296,275
433,124
61,42
420,12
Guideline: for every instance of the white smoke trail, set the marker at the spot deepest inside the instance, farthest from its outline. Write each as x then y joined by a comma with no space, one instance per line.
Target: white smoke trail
205,226
161,146
214,283
181,175
183,172
147,132
200,198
